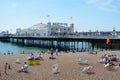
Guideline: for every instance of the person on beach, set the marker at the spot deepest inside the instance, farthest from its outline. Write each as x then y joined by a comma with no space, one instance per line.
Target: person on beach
9,67
24,68
51,51
8,52
117,66
56,51
31,57
41,56
5,67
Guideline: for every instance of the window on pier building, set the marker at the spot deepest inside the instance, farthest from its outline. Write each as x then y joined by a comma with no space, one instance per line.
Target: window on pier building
60,29
38,34
44,34
51,28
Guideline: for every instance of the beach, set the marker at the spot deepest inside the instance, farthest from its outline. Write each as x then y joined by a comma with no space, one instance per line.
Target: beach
69,68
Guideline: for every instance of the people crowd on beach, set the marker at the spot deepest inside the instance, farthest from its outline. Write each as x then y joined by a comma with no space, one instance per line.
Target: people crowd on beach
105,58
108,60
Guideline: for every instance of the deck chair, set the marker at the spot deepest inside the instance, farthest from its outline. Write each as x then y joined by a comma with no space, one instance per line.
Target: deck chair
17,60
84,69
85,61
88,70
79,60
55,68
100,60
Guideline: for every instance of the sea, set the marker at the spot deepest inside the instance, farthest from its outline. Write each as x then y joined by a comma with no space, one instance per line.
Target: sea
6,47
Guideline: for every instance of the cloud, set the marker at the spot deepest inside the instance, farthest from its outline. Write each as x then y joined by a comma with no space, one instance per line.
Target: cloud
106,5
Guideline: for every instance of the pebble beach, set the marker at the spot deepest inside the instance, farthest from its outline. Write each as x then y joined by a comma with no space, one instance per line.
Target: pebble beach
69,68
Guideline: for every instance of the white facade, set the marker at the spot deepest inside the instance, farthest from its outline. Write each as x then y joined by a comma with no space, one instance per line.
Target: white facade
5,33
46,29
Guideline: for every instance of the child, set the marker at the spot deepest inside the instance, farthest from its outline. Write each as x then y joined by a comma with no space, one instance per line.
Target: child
9,67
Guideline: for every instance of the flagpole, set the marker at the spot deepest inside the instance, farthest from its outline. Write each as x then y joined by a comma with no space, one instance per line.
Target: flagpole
48,16
71,20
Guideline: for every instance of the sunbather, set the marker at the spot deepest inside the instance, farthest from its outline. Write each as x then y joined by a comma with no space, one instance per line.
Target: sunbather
31,57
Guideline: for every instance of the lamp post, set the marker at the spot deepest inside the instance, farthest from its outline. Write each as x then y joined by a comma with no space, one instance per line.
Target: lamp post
114,32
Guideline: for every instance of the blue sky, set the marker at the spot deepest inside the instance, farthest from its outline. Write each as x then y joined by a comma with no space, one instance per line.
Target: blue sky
101,15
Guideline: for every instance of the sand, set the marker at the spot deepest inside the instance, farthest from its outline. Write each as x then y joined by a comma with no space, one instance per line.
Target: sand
69,68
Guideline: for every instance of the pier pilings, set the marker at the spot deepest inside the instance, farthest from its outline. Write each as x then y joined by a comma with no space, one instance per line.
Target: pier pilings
64,43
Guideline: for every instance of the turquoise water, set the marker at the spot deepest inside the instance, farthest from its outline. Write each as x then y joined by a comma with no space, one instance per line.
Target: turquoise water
15,49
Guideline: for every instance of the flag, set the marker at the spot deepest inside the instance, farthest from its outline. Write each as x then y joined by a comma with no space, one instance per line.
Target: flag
107,40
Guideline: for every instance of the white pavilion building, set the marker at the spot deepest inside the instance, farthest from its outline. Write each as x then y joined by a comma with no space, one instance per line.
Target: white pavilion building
49,29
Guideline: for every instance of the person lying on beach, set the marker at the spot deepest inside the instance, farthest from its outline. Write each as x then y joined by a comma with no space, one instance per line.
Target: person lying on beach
118,66
52,57
109,63
114,57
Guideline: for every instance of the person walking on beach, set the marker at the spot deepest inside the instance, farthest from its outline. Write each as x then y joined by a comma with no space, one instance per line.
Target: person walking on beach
56,51
5,67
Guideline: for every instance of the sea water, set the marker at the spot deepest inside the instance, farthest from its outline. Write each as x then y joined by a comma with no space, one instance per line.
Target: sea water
16,49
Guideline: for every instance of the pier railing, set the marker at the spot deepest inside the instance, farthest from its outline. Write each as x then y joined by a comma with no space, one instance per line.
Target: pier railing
68,36
63,41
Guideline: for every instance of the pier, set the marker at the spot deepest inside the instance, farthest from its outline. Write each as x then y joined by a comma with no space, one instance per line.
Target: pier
65,43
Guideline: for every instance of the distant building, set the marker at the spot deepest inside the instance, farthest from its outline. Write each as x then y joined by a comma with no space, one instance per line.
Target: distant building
46,29
100,34
5,33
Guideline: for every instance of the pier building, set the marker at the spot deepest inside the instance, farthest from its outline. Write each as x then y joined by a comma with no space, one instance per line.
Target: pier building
49,29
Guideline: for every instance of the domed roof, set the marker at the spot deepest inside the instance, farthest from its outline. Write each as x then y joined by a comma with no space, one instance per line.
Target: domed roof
38,26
